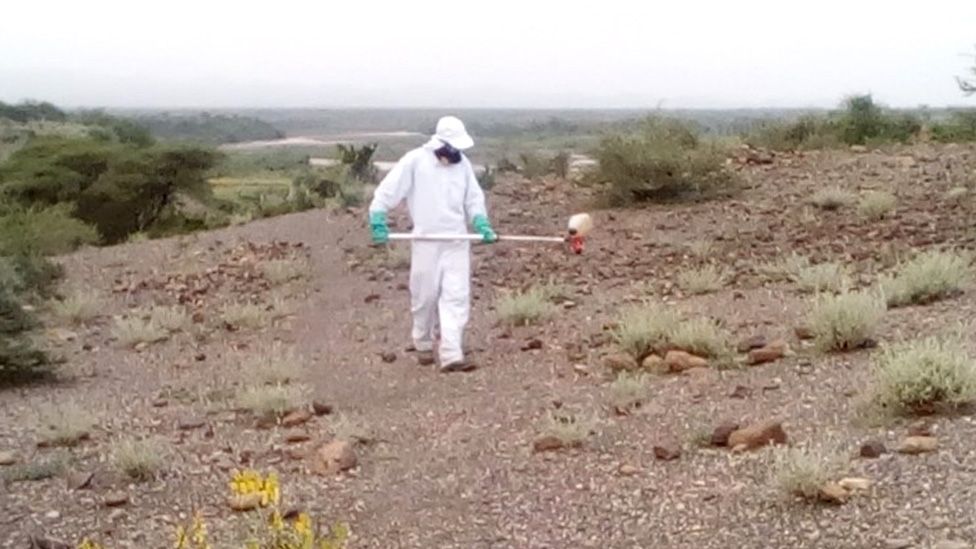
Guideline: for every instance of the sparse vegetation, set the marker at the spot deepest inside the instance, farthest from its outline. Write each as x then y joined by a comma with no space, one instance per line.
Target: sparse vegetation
924,376
271,401
41,468
699,281
139,459
276,365
172,319
132,331
846,321
876,205
353,429
802,471
628,391
569,427
245,316
701,249
822,277
63,424
833,198
700,336
524,308
928,277
666,160
77,308
641,330
281,271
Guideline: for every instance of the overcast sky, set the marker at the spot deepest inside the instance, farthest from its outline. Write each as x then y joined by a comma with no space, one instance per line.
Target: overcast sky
491,53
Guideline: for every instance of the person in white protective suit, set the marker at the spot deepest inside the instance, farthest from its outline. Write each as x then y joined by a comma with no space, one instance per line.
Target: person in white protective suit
443,196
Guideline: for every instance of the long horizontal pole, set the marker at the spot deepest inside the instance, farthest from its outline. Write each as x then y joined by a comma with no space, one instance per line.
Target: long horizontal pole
476,237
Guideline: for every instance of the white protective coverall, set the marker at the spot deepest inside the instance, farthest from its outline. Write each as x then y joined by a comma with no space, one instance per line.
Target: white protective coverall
441,199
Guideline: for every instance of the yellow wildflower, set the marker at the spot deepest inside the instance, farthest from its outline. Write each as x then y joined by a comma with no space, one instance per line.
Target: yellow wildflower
303,524
277,523
180,538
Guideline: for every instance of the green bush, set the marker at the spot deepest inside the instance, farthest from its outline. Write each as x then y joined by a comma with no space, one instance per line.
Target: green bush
359,161
29,111
863,122
20,360
807,132
49,231
665,161
846,321
959,128
118,188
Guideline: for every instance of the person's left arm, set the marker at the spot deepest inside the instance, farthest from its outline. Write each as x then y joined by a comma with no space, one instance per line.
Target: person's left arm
474,205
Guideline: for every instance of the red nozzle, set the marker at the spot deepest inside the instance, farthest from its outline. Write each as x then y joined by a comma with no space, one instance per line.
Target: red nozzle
576,244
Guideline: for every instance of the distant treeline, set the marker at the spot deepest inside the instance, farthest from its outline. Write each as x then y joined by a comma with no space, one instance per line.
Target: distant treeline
208,128
30,111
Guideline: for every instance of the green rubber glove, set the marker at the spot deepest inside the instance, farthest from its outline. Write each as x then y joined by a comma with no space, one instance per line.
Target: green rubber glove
483,227
378,227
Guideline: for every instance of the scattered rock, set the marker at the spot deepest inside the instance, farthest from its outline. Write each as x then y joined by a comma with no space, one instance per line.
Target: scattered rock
620,362
244,502
769,353
189,424
628,470
52,515
199,357
679,361
295,437
371,298
854,484
754,342
296,418
321,409
720,436
334,457
653,363
388,357
667,451
757,435
921,428
873,449
80,480
581,369
833,493
547,444
895,543
949,544
115,499
532,345
918,445
37,542
7,458
160,403
859,148
740,391
803,333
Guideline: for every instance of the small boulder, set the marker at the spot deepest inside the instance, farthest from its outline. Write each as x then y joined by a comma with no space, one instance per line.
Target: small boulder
80,480
628,470
547,443
918,445
115,499
740,392
388,357
720,436
803,333
758,435
320,408
653,363
7,458
334,457
295,437
532,345
873,449
772,352
620,362
854,484
833,493
189,424
679,361
668,451
244,502
296,418
754,342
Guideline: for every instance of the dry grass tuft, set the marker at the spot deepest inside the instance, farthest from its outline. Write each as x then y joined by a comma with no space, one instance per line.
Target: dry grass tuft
524,308
172,319
928,277
704,280
140,460
822,277
700,336
629,391
77,308
802,471
63,424
245,316
833,199
845,321
923,376
570,428
641,330
135,330
272,401
275,365
282,271
876,205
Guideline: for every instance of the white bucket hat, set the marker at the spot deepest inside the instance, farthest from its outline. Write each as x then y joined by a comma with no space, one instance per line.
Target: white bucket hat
451,130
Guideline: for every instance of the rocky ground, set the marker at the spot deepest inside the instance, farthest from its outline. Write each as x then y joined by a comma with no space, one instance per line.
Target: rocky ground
451,460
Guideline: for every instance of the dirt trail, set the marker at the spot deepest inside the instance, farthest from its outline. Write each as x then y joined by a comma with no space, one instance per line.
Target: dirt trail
449,460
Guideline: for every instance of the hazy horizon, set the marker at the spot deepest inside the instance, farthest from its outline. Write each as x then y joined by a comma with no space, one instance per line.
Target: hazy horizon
507,55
